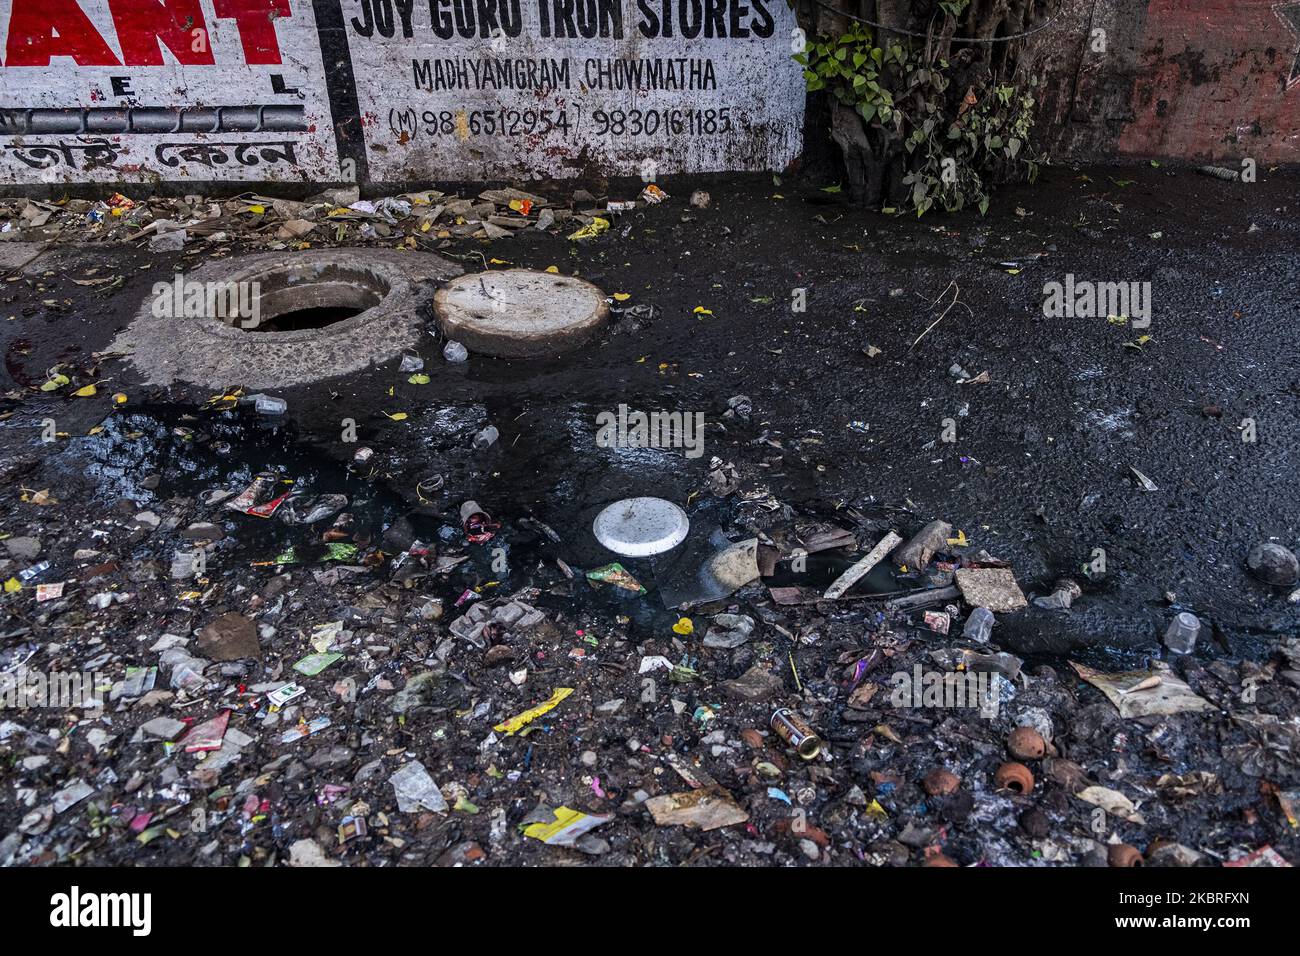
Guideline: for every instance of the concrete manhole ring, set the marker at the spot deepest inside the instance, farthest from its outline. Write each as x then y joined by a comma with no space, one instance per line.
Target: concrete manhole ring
520,313
378,294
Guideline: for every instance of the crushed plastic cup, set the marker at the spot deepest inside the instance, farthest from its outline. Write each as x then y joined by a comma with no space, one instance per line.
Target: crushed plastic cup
478,524
454,352
185,676
270,405
1180,637
978,626
486,438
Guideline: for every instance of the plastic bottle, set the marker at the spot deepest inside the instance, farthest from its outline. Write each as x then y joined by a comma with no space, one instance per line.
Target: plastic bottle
978,626
455,352
269,405
1181,634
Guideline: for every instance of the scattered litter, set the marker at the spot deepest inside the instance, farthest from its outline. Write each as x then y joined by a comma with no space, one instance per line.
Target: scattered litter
861,567
567,827
416,790
1145,483
519,721
1113,802
707,809
616,575
305,729
313,664
1138,694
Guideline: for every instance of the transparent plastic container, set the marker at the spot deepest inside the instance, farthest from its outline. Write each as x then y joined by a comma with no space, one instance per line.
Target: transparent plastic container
270,405
979,626
1181,634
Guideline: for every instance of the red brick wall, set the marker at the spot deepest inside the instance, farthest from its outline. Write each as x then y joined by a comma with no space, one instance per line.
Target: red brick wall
1196,80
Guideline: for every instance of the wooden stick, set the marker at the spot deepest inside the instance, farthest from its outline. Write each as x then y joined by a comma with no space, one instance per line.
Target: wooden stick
851,577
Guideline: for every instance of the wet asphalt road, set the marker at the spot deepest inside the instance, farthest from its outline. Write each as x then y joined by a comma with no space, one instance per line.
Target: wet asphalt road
1039,472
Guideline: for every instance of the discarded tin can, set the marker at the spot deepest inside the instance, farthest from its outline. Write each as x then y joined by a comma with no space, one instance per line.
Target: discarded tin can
937,621
351,828
795,731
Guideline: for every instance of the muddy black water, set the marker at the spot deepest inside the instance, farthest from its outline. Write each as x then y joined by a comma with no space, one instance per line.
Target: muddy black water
849,409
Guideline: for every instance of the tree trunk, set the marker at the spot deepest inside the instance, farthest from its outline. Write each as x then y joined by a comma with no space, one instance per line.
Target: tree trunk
874,156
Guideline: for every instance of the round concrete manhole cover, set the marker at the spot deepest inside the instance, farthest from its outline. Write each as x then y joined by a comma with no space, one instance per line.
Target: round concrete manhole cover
520,313
275,320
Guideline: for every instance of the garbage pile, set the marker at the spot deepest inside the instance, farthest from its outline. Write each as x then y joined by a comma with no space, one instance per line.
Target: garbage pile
790,688
281,669
427,219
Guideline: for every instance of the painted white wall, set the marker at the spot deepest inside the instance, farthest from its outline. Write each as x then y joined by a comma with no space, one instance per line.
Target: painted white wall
514,99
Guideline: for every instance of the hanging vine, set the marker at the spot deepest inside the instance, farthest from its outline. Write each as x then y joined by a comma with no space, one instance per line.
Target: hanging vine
932,101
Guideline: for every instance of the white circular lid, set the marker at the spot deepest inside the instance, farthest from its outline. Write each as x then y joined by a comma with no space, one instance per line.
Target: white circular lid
640,527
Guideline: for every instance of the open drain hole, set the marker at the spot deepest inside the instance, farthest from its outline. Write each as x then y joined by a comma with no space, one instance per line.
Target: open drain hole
300,319
289,301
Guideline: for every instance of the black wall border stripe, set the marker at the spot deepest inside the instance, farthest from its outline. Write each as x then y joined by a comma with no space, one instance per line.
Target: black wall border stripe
341,86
